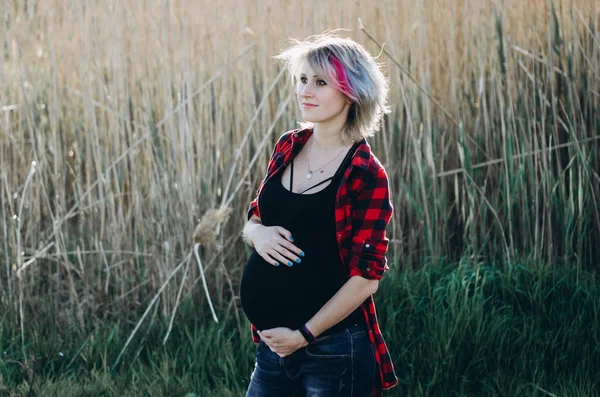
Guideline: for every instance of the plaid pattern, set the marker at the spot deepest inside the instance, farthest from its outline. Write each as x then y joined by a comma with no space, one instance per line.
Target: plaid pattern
362,211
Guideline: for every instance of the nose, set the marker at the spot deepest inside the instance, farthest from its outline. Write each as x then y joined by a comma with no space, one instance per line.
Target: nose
305,91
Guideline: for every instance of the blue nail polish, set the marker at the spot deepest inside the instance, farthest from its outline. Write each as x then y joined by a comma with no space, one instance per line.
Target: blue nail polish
291,238
302,254
290,264
298,260
276,264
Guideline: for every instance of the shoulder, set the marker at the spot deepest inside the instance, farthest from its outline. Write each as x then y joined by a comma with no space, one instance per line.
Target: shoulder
285,140
370,169
367,183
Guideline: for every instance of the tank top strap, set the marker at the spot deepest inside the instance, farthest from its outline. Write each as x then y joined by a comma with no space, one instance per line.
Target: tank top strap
347,159
318,184
291,175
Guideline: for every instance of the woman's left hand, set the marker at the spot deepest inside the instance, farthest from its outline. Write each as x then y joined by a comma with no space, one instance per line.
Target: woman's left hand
283,341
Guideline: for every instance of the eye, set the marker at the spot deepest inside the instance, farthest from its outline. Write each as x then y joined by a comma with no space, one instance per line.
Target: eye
303,79
321,82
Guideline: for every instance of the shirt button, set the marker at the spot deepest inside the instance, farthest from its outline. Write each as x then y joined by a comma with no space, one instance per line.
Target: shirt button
368,269
367,245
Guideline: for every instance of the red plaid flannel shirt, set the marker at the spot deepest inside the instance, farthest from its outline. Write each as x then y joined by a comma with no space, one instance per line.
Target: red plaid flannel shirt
362,211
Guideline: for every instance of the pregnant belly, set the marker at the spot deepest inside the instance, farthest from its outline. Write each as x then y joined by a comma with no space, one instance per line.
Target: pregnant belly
270,296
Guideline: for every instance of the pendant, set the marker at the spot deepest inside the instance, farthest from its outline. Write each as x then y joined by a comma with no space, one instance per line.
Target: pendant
308,174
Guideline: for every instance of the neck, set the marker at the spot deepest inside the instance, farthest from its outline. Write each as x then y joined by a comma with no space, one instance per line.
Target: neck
328,137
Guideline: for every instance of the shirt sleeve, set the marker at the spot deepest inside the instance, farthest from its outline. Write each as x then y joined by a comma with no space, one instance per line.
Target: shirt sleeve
253,208
371,212
254,332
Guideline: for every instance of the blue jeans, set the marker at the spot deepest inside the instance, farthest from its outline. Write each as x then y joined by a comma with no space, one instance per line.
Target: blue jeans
337,365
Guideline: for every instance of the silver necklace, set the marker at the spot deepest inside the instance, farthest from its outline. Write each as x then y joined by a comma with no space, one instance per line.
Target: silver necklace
309,172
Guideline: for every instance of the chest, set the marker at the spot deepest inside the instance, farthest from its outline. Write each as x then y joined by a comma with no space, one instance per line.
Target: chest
314,174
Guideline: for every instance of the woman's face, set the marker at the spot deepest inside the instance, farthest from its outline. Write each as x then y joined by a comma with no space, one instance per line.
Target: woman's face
320,102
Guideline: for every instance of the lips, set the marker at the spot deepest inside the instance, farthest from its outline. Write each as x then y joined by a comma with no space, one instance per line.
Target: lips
309,105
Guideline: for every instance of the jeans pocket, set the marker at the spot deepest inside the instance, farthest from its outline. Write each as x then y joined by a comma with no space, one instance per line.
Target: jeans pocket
336,346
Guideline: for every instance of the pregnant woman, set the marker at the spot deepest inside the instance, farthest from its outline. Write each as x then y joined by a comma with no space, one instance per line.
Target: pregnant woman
317,226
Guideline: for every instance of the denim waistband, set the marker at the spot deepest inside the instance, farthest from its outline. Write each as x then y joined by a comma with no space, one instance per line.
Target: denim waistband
352,330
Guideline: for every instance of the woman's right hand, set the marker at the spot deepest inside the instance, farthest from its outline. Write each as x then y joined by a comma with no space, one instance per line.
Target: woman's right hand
274,245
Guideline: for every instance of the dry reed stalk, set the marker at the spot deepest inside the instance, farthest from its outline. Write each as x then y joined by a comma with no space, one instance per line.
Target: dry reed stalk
407,73
18,218
204,235
261,146
147,135
152,302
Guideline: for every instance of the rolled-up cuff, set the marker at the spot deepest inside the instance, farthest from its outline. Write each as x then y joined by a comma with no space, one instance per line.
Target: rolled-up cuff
366,262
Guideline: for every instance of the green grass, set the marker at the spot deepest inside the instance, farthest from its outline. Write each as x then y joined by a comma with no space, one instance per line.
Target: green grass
457,330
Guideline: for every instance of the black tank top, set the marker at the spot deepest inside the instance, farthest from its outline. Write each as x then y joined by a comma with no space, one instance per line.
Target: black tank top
289,296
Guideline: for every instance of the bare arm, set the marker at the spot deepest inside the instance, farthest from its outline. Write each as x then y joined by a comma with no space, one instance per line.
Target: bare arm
352,294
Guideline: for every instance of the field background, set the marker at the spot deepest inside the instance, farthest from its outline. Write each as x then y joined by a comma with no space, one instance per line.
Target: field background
123,123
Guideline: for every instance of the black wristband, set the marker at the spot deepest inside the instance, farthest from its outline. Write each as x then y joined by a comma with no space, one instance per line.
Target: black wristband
310,338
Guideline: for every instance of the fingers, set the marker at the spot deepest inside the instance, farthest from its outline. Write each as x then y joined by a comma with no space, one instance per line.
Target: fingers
285,233
277,349
270,342
264,334
278,255
294,251
274,258
275,344
289,251
269,259
279,248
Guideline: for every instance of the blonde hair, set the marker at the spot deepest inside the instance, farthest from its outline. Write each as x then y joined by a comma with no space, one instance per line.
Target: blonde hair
349,68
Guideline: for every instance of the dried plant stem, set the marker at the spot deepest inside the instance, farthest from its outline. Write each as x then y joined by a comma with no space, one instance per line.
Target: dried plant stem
518,156
218,255
149,133
238,150
106,269
251,126
152,302
184,278
212,310
421,177
495,214
260,147
19,280
6,250
236,311
39,254
407,72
